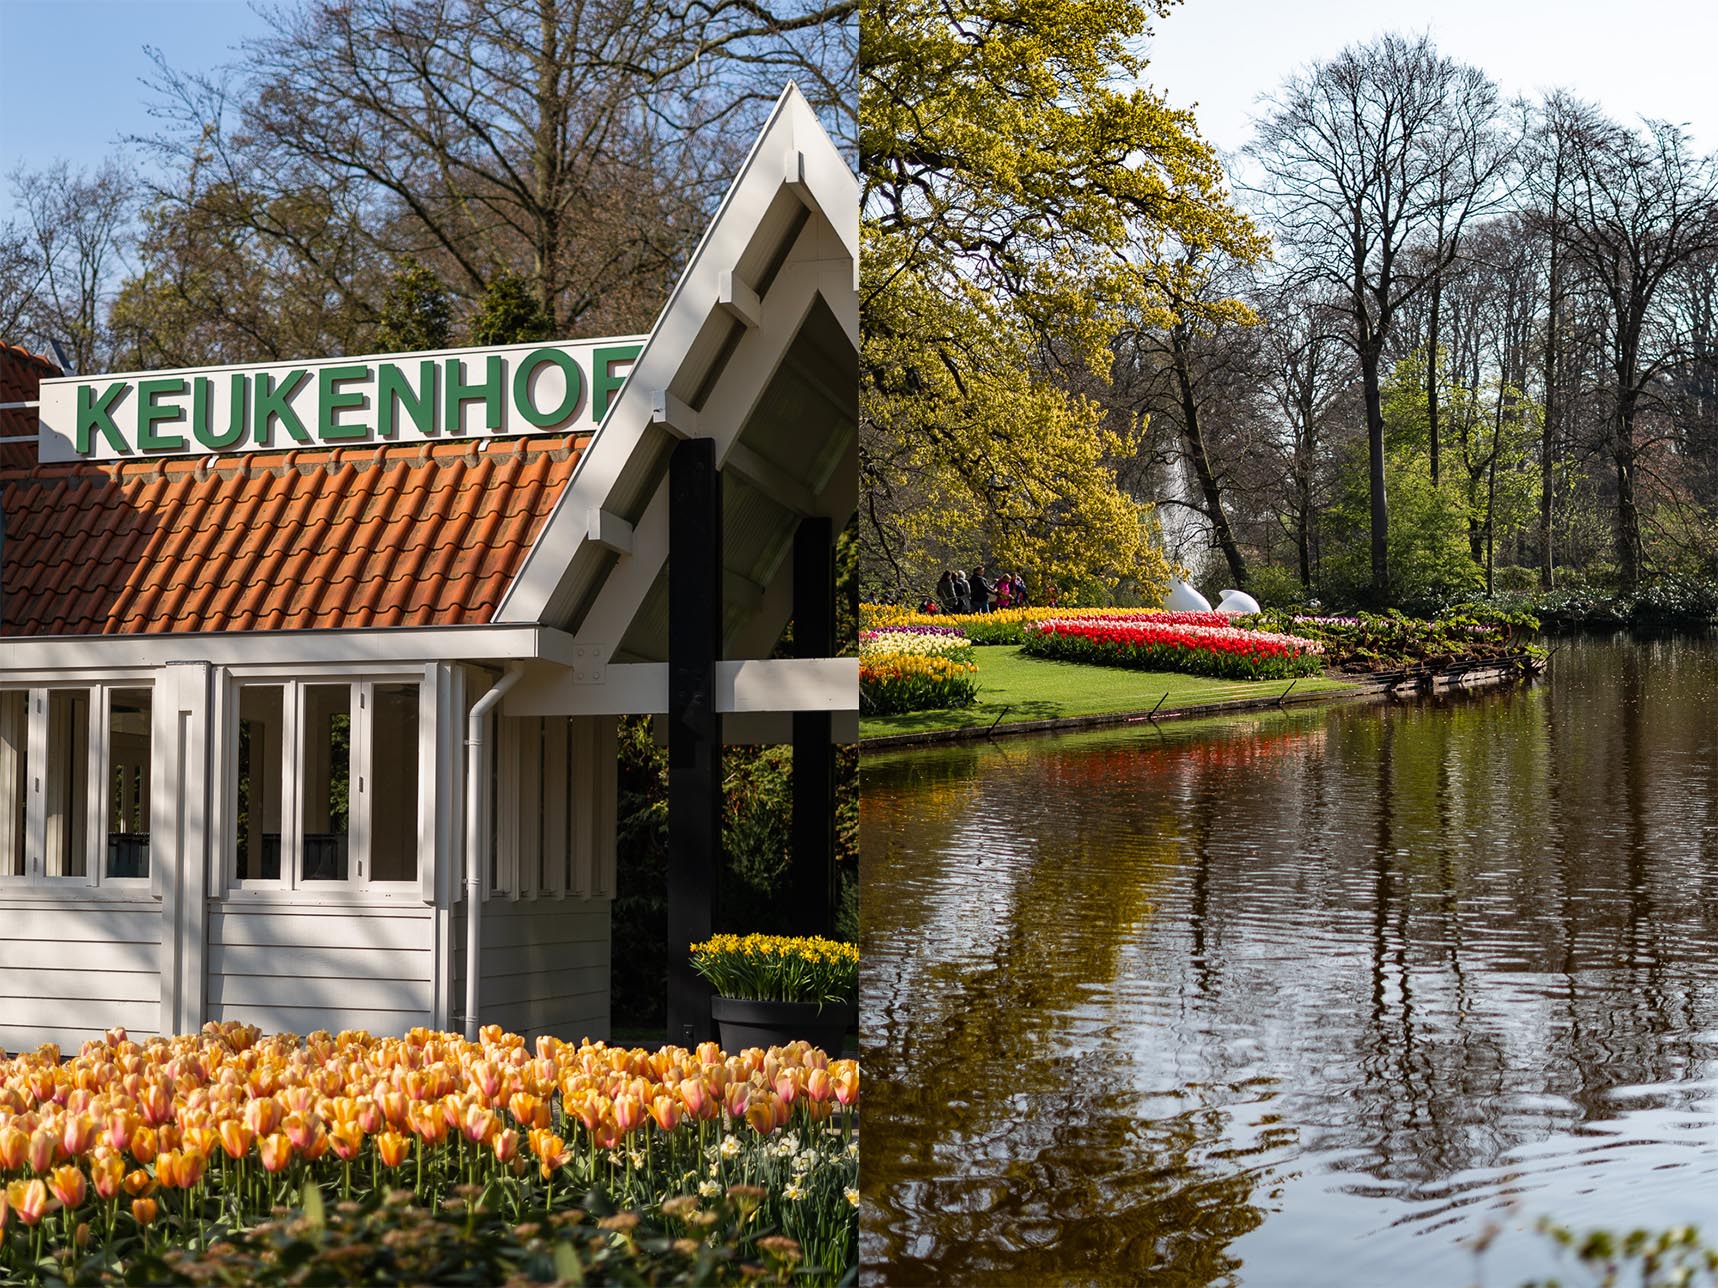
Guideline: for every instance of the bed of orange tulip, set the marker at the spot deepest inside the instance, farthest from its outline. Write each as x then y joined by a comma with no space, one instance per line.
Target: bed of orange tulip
131,1144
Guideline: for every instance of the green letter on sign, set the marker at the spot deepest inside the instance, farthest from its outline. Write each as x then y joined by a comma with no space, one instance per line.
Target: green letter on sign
149,411
275,401
202,390
455,391
419,404
330,401
522,387
603,381
96,414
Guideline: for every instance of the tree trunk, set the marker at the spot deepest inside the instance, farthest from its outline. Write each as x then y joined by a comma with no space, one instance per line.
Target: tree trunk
1195,443
1370,357
1432,321
1628,516
1303,519
546,163
1548,429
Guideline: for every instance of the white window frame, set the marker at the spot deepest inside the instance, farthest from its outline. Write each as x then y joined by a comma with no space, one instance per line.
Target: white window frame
358,881
100,689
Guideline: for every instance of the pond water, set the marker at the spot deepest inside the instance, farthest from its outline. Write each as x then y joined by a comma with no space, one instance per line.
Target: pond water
1319,997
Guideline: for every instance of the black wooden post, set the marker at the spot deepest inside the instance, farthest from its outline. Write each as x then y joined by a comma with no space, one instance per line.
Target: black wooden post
694,728
811,891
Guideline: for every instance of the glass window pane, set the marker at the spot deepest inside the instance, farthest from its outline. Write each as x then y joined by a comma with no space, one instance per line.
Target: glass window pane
14,779
67,785
325,779
394,786
262,731
128,766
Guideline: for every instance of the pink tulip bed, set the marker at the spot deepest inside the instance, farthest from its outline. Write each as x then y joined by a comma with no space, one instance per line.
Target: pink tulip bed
1193,643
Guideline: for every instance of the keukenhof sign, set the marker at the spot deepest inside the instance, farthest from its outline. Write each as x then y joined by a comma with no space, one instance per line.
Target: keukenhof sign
342,402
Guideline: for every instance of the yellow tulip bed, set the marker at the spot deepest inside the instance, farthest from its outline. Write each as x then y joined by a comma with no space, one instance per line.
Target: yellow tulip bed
129,1149
1004,626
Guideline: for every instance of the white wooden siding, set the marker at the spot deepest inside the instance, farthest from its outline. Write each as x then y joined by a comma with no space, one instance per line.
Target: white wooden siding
545,966
298,967
72,968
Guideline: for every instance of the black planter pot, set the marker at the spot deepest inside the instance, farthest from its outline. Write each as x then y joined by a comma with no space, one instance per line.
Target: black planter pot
741,1024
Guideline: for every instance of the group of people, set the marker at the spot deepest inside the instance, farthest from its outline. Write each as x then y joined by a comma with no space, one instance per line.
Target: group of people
973,592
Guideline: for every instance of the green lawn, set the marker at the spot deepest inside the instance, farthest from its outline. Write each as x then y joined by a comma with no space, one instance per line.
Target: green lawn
1028,688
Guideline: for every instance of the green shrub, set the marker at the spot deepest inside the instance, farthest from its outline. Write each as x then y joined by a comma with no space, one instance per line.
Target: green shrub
468,1239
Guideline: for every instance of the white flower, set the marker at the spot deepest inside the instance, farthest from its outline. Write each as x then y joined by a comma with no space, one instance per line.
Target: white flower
730,1146
709,1189
793,1193
805,1160
636,1157
710,1152
852,1195
853,1149
715,1169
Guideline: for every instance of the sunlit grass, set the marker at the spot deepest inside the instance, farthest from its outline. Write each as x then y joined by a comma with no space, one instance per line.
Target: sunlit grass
1019,688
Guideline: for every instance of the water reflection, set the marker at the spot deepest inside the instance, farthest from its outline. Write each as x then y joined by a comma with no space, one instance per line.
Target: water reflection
1308,999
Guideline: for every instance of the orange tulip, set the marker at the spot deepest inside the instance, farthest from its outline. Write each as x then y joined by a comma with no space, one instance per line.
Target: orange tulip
628,1112
528,1110
368,1115
426,1122
761,1114
137,1181
666,1111
300,1128
44,1147
5,1208
68,1184
818,1086
14,1146
275,1151
393,1147
143,1211
121,1123
77,1134
506,1144
735,1097
106,1171
346,1138
236,1138
263,1116
845,1075
155,1104
202,1140
478,1124
485,1078
29,1199
170,1170
145,1144
694,1095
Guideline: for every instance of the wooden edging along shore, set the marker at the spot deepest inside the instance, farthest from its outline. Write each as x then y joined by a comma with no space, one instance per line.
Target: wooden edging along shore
1411,681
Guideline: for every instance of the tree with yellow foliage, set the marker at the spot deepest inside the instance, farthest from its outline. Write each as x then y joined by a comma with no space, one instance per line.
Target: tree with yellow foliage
1019,193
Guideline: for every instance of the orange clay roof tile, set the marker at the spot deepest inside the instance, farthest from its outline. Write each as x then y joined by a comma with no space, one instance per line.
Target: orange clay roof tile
397,535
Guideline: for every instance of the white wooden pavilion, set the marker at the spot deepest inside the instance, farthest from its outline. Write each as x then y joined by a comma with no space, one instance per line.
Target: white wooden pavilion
310,672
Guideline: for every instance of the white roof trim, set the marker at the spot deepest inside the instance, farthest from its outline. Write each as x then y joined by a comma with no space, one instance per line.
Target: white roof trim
791,152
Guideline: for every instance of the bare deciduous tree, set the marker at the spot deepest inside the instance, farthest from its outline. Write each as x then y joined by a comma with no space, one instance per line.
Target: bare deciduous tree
1359,168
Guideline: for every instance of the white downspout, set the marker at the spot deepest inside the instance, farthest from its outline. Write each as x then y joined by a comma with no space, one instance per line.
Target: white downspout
476,832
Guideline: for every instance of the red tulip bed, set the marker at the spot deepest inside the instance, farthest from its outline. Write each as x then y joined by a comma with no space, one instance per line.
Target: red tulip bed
1193,643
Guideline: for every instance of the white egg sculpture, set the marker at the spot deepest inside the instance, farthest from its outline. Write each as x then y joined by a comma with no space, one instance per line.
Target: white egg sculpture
1182,598
1237,603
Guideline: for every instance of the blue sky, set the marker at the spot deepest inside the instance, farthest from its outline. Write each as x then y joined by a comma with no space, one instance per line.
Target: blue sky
1644,58
70,70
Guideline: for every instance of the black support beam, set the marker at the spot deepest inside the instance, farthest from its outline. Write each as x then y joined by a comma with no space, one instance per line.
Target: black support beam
811,888
694,728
